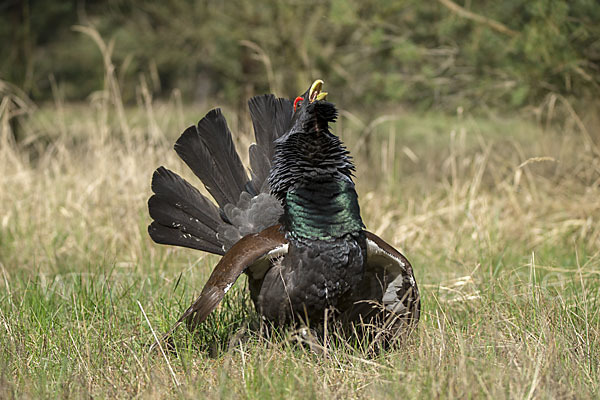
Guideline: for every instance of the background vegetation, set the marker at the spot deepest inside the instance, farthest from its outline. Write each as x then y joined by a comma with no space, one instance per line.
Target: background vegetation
474,128
426,54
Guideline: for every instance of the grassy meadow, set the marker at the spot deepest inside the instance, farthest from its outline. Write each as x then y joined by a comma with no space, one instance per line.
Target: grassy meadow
498,215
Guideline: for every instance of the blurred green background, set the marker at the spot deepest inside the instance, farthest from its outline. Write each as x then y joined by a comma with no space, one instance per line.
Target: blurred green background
424,54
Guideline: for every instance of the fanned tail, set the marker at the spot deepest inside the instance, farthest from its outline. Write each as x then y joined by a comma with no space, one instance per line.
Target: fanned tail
184,217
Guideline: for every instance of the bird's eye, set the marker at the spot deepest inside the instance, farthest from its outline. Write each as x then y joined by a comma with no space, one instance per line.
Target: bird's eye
298,101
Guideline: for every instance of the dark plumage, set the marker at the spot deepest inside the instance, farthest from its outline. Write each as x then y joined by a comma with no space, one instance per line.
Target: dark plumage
294,227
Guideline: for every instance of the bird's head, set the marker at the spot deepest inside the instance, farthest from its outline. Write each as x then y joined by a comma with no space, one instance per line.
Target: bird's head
314,93
308,151
312,111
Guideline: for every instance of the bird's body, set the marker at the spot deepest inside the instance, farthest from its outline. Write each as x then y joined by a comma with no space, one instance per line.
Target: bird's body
294,228
312,277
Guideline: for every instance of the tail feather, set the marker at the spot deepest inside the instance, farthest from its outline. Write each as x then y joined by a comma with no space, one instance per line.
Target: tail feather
182,215
164,235
209,151
178,191
261,165
271,117
171,216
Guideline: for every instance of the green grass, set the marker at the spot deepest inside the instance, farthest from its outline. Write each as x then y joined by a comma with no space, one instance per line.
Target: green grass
505,252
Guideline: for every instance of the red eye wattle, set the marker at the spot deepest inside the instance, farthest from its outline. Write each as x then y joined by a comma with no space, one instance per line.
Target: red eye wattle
298,100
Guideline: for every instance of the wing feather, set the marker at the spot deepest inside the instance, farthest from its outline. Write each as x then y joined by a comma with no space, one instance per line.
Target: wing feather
246,252
400,293
388,291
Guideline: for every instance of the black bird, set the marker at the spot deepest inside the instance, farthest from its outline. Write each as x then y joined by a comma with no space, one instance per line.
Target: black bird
294,228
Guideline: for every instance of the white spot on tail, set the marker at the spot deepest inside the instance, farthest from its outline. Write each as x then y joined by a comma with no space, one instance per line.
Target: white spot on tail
226,289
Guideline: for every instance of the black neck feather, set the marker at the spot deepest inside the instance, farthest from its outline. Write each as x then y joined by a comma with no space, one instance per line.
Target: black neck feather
312,175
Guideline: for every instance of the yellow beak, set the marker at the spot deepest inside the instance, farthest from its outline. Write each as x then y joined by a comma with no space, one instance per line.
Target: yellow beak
315,92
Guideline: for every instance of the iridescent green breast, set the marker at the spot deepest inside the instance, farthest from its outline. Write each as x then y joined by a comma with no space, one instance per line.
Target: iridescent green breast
322,210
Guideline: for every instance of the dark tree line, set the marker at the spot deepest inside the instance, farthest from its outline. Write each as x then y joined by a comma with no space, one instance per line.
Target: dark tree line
423,53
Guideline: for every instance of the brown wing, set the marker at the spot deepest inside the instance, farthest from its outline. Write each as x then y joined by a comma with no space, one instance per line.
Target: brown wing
247,251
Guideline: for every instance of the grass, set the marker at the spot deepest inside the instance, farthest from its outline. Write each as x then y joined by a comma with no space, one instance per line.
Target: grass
499,217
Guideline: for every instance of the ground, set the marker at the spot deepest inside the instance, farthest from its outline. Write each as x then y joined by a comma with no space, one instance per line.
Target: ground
498,215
